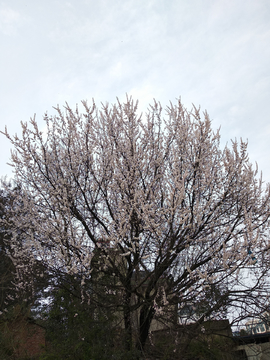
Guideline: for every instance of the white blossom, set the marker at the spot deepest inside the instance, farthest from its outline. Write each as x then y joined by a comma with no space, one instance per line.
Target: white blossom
153,195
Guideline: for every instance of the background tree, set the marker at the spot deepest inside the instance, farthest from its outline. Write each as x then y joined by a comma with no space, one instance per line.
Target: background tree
17,307
10,270
181,214
76,330
7,269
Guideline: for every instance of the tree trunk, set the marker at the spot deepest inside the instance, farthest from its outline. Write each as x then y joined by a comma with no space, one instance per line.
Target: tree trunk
146,315
127,321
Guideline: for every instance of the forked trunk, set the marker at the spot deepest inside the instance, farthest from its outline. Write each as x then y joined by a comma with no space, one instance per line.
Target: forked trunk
146,316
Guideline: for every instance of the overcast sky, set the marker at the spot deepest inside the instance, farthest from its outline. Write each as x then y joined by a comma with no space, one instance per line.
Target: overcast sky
212,53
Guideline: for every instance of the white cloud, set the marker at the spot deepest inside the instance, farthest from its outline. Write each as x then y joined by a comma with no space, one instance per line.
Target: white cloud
212,53
145,95
116,70
10,20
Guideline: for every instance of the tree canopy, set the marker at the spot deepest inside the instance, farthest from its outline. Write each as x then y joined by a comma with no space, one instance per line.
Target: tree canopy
175,220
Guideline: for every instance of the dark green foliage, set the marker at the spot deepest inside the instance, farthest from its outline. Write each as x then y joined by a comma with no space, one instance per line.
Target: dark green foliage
210,348
7,268
14,305
36,280
77,330
6,348
210,341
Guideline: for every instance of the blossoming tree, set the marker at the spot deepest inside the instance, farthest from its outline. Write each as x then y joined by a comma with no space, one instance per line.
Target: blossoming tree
180,215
